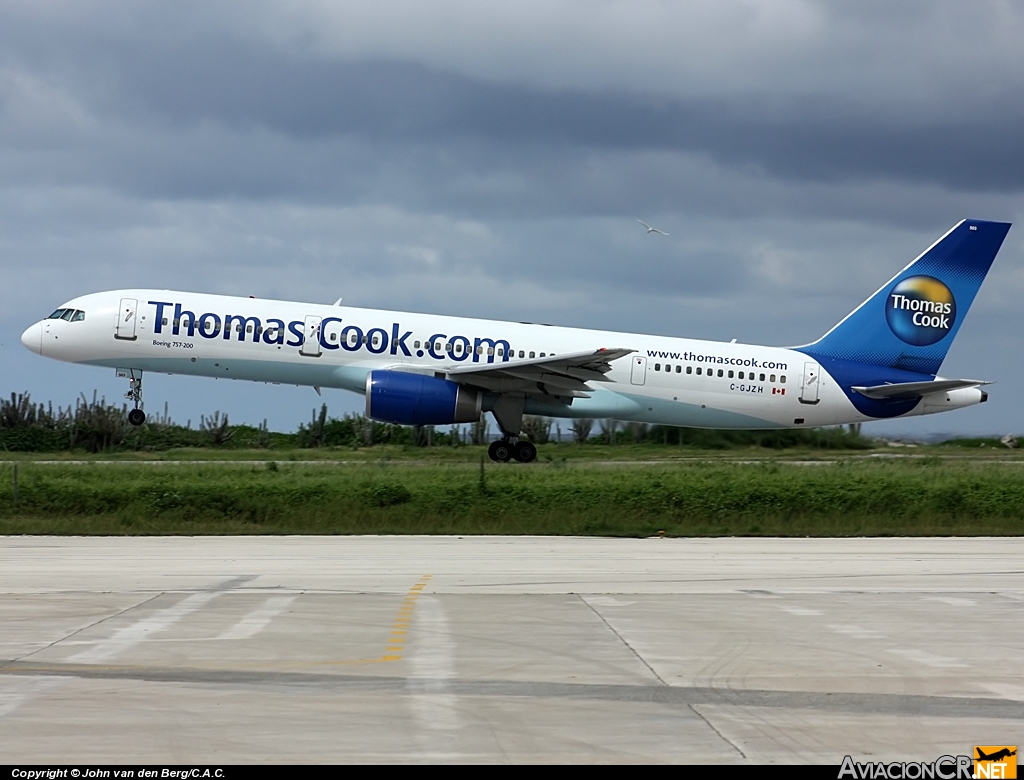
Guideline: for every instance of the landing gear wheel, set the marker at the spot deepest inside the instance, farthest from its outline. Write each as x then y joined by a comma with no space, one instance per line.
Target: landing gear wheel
136,416
525,452
500,451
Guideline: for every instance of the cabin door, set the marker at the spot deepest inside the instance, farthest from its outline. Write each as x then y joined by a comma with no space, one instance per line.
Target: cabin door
639,375
809,385
125,327
311,337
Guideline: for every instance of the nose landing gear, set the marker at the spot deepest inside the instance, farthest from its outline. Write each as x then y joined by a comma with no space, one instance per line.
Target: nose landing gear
136,416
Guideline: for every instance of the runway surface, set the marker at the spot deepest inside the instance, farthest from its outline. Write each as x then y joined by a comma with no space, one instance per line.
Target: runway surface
338,649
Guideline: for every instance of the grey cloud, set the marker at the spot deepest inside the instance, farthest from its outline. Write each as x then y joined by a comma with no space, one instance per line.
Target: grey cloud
282,106
812,138
476,180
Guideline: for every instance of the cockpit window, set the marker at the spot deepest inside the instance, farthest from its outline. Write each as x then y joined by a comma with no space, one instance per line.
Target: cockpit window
71,315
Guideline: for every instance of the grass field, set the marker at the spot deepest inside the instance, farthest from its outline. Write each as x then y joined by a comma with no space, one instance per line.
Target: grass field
595,495
961,449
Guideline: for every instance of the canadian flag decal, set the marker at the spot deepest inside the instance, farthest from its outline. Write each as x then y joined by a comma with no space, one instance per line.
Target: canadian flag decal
778,391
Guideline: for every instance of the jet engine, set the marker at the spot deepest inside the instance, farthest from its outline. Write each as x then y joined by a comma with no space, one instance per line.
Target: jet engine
416,399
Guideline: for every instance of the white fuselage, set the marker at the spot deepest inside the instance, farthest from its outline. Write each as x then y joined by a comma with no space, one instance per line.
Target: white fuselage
669,381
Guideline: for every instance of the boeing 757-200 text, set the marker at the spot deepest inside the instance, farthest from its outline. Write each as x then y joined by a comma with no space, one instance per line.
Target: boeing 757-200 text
881,361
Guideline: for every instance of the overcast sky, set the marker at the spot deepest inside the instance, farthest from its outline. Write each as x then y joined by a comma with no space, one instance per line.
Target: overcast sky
491,160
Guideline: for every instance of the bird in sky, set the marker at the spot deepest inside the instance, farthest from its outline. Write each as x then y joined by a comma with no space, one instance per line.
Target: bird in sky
651,229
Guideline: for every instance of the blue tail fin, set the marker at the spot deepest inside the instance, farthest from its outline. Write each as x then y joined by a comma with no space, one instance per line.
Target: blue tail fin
911,322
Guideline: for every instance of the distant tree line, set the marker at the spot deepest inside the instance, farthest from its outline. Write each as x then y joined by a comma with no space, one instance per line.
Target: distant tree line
98,426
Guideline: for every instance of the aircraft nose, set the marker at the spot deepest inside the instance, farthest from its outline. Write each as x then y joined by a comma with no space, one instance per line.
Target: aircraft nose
32,338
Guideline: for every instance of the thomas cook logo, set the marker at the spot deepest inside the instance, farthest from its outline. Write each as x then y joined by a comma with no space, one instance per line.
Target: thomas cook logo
920,310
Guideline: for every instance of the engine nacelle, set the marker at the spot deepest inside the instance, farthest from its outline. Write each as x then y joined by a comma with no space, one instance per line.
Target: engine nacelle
416,399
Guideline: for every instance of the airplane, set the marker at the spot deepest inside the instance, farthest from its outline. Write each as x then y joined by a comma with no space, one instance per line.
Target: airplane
999,754
880,362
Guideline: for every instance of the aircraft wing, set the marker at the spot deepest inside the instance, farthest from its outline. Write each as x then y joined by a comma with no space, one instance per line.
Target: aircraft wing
563,376
904,390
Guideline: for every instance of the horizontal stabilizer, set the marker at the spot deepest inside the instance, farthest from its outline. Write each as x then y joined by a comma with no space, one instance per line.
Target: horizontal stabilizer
904,390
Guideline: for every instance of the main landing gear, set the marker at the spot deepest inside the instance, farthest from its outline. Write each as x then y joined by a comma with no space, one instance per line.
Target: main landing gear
503,450
136,416
508,413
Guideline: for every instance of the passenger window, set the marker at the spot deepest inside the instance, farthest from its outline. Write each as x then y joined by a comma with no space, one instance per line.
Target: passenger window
657,366
762,378
721,372
783,378
501,351
248,328
415,345
490,351
741,375
79,316
449,347
543,354
698,370
730,375
57,314
522,353
533,354
771,378
164,322
689,369
334,336
679,369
